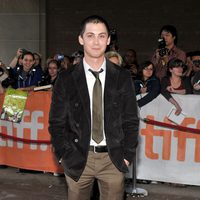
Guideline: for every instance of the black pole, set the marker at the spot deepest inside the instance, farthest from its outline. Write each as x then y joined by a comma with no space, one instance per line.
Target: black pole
131,189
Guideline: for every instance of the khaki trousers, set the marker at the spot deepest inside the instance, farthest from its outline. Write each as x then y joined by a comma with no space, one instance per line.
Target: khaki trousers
110,179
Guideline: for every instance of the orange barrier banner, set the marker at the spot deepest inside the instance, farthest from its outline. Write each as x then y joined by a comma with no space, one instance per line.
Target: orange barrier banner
164,154
34,126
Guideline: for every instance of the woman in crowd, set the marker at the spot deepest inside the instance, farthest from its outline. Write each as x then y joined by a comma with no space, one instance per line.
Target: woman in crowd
38,61
175,83
25,77
146,82
114,57
51,73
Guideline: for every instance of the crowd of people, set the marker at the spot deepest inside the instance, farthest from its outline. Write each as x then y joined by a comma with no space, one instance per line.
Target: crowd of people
169,71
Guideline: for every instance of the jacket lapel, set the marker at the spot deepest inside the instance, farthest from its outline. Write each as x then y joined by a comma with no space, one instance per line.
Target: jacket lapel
110,90
81,85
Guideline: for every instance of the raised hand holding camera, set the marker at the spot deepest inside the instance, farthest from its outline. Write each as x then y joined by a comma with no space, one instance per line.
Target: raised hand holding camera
163,51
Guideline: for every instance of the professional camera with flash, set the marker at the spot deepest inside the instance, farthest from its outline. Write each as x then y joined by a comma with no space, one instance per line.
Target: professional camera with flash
162,47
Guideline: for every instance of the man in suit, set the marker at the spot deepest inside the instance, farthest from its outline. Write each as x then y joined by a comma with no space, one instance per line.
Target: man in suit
86,153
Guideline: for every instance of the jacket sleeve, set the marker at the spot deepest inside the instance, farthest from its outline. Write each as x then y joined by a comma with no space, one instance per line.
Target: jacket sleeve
137,86
130,120
154,90
164,91
187,85
58,117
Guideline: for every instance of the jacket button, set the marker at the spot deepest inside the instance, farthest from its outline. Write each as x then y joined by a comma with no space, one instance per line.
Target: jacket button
115,103
76,140
77,125
76,105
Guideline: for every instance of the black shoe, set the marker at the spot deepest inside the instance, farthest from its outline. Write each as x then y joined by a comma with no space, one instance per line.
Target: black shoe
3,166
29,171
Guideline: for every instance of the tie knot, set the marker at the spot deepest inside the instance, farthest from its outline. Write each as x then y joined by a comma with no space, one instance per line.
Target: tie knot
95,73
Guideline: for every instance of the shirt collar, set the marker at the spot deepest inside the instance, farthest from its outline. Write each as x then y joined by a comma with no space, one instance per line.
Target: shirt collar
87,67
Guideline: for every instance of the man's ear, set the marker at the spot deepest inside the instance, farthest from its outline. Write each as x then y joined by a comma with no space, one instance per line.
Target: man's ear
80,39
108,42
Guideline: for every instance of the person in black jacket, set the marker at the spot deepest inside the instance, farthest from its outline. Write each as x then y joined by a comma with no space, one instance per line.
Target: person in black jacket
175,83
90,98
147,82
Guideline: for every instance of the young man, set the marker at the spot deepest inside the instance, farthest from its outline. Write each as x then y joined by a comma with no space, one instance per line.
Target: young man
93,118
169,50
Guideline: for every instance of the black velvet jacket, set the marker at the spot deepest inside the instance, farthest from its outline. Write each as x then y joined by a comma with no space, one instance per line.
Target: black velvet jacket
70,120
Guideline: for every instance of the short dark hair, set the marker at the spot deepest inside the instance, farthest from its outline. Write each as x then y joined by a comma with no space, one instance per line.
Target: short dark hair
54,62
28,53
170,29
93,19
143,66
174,62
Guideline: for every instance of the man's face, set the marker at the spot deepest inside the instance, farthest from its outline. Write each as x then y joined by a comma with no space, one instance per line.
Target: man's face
169,38
130,57
94,40
196,63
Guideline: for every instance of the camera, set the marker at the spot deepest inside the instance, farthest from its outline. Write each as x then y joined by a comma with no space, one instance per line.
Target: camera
113,35
24,51
162,47
60,57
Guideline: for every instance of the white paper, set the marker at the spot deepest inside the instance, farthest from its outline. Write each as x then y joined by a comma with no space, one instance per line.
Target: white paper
177,119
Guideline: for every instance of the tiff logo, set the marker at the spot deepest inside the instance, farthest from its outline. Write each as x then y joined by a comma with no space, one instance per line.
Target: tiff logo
33,126
150,133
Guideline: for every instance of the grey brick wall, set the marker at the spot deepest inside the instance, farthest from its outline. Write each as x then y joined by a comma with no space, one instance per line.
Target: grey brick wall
29,24
22,25
137,23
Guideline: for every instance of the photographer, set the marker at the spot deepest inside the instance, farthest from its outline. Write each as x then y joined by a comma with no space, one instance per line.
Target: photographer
25,76
167,50
17,60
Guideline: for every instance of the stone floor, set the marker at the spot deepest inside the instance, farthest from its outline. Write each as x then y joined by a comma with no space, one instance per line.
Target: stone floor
45,186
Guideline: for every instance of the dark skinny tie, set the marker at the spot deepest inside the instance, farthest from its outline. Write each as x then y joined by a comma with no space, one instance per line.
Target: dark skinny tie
97,119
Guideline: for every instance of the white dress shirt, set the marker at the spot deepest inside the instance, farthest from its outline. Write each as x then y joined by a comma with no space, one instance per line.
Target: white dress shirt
90,84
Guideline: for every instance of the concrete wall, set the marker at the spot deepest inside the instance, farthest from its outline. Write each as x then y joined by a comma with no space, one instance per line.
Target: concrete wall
54,24
137,22
22,24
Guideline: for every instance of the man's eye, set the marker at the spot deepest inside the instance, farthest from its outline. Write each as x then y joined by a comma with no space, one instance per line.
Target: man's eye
102,36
